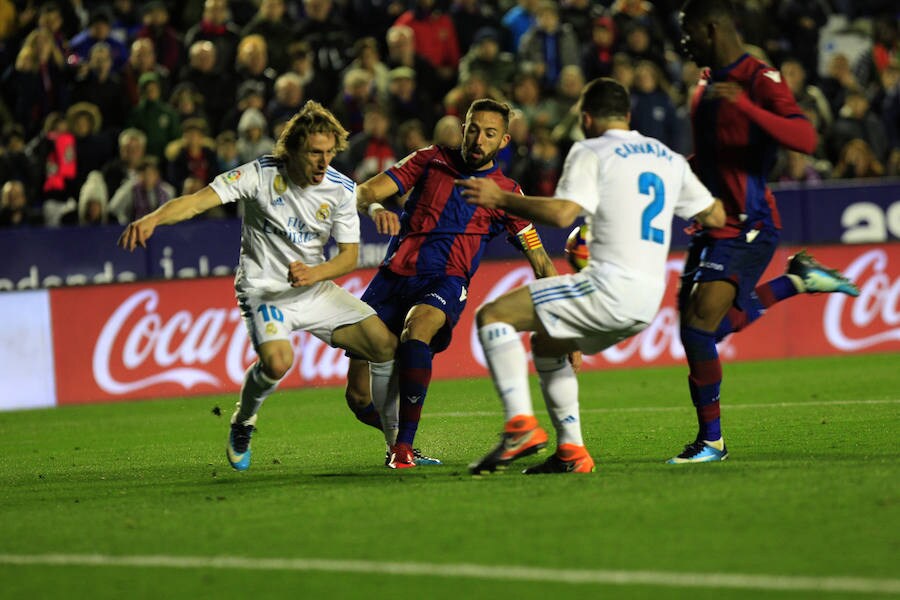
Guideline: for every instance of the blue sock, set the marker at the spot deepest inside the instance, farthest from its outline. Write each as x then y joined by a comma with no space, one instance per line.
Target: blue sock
414,369
704,380
763,297
366,414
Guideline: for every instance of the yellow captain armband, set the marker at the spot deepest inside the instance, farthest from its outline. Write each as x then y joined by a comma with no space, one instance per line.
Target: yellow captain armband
529,238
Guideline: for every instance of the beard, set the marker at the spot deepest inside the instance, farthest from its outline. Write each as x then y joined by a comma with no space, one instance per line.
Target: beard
479,162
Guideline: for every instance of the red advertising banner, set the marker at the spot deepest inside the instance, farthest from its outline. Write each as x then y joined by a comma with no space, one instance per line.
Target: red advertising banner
183,337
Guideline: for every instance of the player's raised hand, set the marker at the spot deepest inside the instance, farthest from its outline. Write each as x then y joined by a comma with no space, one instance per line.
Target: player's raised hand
726,90
481,191
386,221
136,234
576,359
300,274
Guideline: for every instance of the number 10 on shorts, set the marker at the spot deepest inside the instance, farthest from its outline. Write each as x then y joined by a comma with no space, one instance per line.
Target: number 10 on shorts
270,312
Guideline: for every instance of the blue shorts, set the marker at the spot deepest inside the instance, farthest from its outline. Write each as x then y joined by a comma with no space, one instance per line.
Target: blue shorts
392,296
736,260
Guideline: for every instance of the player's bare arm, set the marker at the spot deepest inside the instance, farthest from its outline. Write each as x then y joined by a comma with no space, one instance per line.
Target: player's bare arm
368,200
713,216
557,212
174,211
301,274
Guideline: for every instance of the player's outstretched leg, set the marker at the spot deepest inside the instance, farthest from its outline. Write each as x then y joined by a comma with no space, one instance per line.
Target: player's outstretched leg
256,388
522,436
812,277
568,458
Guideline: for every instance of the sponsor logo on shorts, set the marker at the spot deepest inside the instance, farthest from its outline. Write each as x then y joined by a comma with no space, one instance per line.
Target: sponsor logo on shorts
232,176
705,264
434,295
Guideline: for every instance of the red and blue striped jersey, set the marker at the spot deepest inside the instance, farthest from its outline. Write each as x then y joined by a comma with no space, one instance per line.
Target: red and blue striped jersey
732,155
441,233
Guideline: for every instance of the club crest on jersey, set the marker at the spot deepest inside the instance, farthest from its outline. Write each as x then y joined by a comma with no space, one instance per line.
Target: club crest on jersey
279,184
323,212
271,329
232,176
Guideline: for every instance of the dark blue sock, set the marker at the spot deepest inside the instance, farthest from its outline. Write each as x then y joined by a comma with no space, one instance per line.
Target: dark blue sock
704,380
414,370
764,296
366,414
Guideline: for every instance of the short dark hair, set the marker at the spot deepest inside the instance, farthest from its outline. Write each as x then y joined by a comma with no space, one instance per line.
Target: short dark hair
605,98
489,105
704,9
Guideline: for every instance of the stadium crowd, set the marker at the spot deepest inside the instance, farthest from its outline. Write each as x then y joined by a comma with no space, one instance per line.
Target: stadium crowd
108,110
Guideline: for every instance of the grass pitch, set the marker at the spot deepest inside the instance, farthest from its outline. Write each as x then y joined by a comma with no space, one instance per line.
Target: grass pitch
137,500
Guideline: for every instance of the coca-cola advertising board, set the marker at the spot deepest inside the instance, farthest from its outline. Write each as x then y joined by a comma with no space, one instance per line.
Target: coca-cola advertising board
184,337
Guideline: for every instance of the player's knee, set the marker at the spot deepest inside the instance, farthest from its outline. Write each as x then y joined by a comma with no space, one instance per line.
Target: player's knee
355,396
487,314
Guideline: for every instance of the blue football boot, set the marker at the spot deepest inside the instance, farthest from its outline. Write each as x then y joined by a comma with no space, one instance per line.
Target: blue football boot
238,448
700,451
817,277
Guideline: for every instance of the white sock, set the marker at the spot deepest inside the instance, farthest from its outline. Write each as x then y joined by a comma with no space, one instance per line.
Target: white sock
385,396
256,388
560,387
508,363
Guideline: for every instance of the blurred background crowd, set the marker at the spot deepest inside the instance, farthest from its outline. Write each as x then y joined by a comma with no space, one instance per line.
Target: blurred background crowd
109,109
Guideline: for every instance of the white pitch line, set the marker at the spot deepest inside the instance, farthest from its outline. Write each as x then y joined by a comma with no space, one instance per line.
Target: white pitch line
572,576
486,413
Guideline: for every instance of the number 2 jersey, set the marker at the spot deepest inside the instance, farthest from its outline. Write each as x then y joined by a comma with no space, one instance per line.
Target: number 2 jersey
629,186
441,233
283,222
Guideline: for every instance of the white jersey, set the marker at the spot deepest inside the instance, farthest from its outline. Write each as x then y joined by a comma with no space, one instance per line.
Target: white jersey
284,223
629,187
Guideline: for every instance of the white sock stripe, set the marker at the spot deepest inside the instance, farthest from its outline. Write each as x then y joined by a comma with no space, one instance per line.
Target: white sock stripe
496,334
860,585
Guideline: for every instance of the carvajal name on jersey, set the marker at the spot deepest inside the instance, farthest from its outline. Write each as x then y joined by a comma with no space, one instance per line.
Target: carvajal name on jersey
658,150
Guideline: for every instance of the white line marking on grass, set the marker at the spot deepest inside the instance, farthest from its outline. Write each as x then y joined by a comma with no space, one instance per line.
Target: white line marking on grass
572,576
485,413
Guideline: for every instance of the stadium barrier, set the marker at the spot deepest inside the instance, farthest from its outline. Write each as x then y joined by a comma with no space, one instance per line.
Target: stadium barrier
159,339
849,212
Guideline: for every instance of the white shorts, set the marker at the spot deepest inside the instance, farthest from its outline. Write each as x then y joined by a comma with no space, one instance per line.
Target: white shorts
319,310
574,307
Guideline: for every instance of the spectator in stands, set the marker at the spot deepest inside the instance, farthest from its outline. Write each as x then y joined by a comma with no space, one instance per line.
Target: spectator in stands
597,57
580,15
543,165
99,29
137,197
485,56
448,132
856,120
458,100
126,20
370,152
155,118
411,136
549,45
142,60
226,152
301,63
253,136
51,18
217,27
132,150
269,22
470,17
795,167
217,89
637,44
406,100
435,40
517,20
93,149
857,160
890,115
528,98
15,163
98,84
53,150
566,95
885,50
93,201
627,13
288,98
253,63
368,57
166,40
839,81
402,53
35,85
192,155
250,94
652,110
799,22
188,102
330,39
623,70
14,209
348,106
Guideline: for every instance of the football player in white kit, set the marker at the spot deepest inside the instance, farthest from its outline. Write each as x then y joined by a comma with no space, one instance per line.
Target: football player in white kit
293,201
629,186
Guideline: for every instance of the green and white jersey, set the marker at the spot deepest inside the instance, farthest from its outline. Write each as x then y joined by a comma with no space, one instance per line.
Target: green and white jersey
284,223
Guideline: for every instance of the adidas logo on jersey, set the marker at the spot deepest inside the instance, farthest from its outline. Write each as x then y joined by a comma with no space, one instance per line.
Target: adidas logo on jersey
279,201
